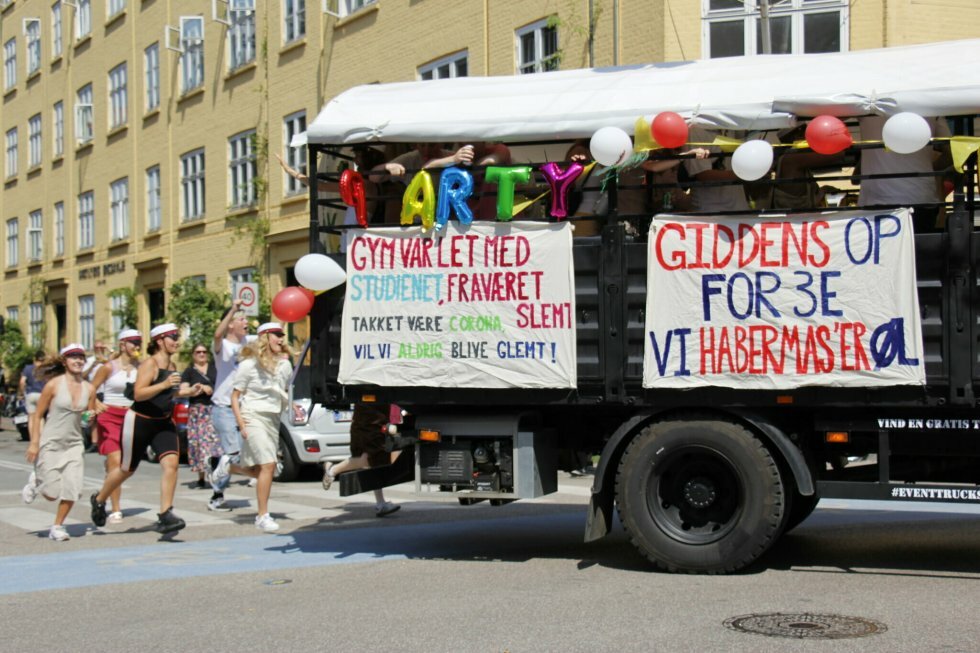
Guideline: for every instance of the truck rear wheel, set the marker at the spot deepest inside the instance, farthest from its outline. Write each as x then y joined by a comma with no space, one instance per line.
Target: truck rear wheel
701,496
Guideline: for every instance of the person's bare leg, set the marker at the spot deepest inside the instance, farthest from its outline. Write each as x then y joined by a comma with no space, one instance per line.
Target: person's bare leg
168,481
264,487
112,461
113,481
64,506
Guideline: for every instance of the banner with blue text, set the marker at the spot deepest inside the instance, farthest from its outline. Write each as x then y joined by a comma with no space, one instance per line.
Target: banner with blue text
822,299
487,305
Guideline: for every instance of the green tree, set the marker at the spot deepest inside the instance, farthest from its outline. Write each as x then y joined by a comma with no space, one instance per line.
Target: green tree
198,309
15,352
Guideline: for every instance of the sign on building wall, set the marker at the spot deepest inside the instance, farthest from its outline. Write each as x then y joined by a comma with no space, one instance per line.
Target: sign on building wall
819,299
248,292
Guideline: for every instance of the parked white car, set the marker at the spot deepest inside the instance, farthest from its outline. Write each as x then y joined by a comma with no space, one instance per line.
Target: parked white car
310,434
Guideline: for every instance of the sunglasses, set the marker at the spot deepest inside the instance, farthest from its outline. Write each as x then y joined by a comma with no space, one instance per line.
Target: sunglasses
201,351
172,336
276,333
135,343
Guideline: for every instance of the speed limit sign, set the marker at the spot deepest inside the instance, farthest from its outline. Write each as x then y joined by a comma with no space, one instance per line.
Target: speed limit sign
249,294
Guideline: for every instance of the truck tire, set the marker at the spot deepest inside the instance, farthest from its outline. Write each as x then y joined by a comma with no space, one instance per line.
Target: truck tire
290,465
699,496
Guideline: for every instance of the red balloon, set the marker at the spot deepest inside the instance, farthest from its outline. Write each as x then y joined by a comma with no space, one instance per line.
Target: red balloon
291,304
309,293
669,129
828,135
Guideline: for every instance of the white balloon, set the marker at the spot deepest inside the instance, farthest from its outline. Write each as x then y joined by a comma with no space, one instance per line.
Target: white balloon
752,160
906,132
611,146
319,272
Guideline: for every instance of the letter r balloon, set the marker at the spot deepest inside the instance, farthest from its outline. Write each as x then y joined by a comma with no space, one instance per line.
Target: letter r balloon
455,187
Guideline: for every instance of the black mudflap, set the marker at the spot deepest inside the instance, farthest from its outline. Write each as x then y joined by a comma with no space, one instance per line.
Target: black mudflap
401,471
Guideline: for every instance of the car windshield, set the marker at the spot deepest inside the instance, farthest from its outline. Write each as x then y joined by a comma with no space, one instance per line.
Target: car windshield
301,386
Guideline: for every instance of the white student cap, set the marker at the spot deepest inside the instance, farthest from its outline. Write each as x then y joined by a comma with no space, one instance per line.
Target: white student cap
270,326
73,349
167,329
130,334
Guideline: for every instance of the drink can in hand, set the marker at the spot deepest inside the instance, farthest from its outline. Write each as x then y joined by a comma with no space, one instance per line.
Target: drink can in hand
87,418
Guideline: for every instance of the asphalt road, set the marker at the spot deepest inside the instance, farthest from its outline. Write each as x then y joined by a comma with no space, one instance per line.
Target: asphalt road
439,577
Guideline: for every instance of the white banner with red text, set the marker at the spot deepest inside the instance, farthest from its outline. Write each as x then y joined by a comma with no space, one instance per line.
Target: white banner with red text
825,299
488,305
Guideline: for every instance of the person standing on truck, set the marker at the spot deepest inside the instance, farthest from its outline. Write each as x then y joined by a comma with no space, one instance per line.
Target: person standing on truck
712,199
148,423
114,378
367,446
229,338
57,448
258,397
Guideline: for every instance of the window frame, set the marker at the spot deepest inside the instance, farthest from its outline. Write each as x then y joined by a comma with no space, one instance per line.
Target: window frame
13,242
450,61
10,63
151,76
192,185
118,96
293,124
83,19
795,10
119,210
541,62
242,170
57,30
191,56
59,228
32,34
84,115
36,323
58,125
241,33
35,236
153,199
11,142
293,20
86,320
34,141
119,8
86,220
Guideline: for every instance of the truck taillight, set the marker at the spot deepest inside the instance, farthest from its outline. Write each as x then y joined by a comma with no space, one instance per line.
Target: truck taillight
838,437
181,412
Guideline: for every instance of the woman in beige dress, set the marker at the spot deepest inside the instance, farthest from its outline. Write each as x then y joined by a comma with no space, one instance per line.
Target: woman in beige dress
57,447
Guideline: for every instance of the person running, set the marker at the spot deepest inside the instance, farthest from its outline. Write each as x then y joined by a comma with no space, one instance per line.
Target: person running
229,338
148,423
57,448
118,373
258,398
367,446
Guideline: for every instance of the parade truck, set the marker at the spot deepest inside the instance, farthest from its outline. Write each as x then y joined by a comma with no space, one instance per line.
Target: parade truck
729,369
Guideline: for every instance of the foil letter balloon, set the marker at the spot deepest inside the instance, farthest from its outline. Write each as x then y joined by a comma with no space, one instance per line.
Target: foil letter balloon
455,187
352,194
506,179
424,207
561,182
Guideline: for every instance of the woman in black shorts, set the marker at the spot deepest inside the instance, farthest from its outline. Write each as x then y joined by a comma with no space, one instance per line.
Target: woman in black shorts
148,423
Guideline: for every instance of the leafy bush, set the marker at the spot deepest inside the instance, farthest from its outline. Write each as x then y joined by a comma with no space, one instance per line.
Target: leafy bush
15,352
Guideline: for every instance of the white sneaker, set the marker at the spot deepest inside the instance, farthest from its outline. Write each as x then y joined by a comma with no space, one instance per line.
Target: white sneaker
328,477
29,493
266,523
58,533
114,517
221,471
252,482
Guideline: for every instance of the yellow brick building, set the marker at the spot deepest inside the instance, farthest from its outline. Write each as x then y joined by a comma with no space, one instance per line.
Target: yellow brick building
139,134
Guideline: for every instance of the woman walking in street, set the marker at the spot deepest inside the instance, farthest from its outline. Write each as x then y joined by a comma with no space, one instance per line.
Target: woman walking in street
203,443
114,377
257,400
148,423
57,448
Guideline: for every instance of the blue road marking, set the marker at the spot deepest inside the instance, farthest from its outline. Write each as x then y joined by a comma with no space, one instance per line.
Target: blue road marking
476,539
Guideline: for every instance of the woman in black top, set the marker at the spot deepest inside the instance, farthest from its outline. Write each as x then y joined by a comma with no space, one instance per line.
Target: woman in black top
203,442
148,423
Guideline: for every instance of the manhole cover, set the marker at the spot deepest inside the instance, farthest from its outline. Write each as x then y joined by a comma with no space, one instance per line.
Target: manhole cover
805,626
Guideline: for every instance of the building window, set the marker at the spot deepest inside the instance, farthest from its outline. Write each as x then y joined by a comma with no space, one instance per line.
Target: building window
13,314
455,65
241,169
733,28
119,209
117,307
37,323
59,229
348,7
58,120
192,52
13,243
241,33
11,153
153,199
241,275
294,20
83,115
83,18
34,141
293,125
32,31
114,7
192,184
10,64
86,320
151,62
35,237
537,47
117,96
56,42
86,220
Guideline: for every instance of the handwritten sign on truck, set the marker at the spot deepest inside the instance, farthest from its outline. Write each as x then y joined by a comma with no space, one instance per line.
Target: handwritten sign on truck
481,306
771,303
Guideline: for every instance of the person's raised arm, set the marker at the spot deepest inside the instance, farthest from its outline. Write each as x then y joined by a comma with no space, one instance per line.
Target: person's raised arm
219,333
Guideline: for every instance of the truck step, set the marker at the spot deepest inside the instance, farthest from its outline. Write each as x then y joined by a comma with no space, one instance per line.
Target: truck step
401,471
